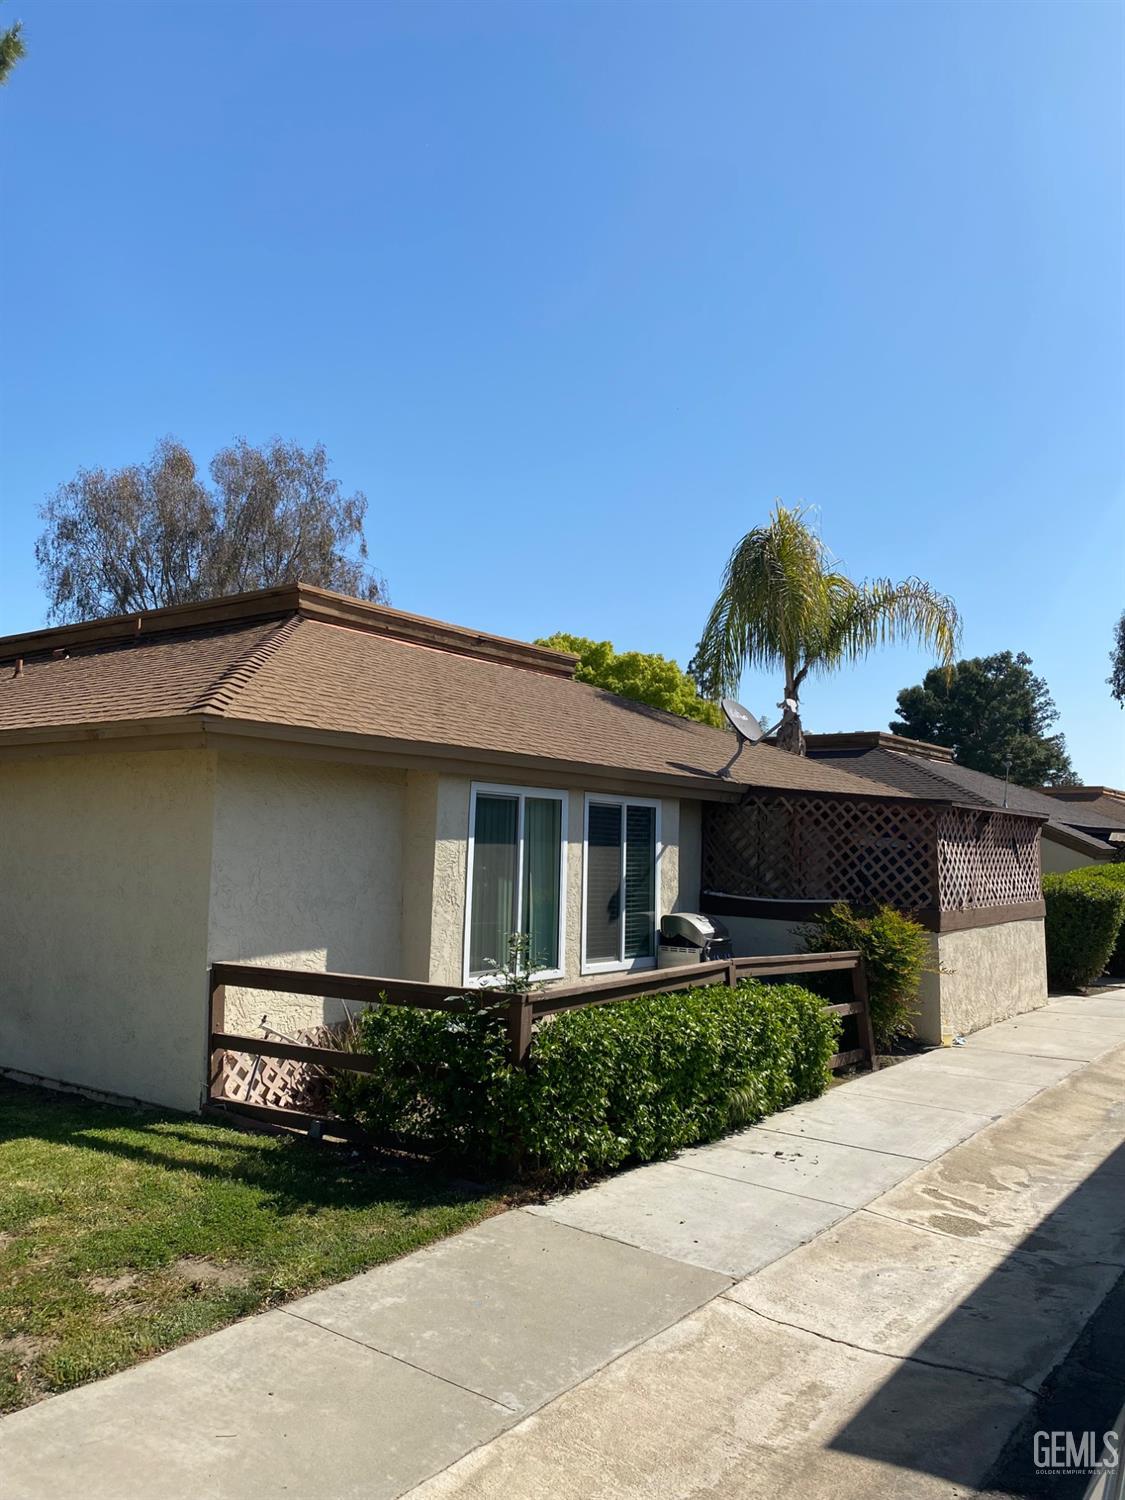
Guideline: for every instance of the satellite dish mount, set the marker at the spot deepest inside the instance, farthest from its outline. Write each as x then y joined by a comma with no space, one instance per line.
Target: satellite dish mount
746,727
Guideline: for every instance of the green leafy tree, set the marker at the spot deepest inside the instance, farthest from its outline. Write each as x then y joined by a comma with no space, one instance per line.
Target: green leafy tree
1116,678
159,533
640,675
990,710
785,606
11,49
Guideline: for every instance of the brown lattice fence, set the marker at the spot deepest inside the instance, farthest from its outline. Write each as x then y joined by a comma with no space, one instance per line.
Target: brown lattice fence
986,859
911,855
805,848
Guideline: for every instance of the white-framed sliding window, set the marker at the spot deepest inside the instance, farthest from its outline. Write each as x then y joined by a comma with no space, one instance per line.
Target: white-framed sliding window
621,864
516,878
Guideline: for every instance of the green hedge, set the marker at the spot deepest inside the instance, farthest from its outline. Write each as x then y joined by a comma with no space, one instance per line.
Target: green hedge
1085,913
1113,875
604,1086
896,950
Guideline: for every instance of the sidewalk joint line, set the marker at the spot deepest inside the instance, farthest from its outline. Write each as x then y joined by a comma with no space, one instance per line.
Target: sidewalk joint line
772,1129
949,1109
767,1187
386,1353
922,1161
1083,1062
914,1359
600,1234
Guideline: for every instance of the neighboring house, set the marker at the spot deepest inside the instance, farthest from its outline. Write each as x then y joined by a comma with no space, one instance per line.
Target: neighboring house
926,770
296,778
1098,811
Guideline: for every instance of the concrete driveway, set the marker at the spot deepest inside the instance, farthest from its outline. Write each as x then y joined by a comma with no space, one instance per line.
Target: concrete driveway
865,1296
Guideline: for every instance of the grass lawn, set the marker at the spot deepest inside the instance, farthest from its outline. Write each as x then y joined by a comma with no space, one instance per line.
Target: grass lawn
123,1232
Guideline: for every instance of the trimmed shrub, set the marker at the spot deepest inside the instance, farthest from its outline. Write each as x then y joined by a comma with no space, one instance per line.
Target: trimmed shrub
1112,875
897,952
1085,913
606,1085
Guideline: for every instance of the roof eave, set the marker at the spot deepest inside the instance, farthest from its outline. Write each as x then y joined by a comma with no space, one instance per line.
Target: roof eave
1081,843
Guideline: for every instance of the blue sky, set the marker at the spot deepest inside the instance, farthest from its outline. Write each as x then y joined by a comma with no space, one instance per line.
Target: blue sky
575,291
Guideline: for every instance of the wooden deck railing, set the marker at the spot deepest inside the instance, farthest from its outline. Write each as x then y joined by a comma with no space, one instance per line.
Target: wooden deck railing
520,1011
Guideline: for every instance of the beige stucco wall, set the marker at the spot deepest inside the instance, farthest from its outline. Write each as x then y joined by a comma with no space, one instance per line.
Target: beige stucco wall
982,975
1056,858
987,974
122,876
690,864
450,853
307,873
104,880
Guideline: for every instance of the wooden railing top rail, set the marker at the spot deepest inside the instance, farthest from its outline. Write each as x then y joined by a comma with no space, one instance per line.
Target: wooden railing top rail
686,977
372,989
365,989
520,1010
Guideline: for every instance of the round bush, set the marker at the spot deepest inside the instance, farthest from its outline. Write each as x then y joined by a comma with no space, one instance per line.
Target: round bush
1084,917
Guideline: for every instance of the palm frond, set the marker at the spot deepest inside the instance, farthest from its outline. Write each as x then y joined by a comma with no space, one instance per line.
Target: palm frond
880,613
785,603
774,596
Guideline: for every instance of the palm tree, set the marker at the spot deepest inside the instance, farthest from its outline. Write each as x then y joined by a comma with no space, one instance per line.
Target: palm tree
11,49
783,605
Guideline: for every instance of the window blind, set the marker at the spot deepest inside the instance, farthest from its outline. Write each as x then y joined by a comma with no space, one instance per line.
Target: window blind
640,882
603,883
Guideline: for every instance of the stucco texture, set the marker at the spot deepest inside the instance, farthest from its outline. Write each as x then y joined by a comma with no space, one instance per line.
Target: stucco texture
1056,858
104,882
988,974
306,873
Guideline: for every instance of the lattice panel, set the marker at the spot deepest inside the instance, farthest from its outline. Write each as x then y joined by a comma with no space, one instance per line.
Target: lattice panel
806,848
281,1082
987,859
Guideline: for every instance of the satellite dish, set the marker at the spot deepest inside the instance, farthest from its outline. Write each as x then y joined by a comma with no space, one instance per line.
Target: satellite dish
742,721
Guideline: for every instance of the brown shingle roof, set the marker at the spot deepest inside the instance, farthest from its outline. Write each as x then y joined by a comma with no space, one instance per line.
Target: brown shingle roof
347,681
152,677
339,675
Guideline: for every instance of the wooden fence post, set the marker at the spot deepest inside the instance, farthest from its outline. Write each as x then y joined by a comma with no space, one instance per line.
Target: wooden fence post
519,1029
863,1020
217,1057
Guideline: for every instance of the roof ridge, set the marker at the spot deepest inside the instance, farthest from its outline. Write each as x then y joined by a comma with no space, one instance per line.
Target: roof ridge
230,682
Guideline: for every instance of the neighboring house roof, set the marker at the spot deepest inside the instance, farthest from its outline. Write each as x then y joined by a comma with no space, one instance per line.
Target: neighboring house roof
910,765
312,665
1090,807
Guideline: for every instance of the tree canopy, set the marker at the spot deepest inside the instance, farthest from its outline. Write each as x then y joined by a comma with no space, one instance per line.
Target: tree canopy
159,533
784,605
642,676
1116,678
987,709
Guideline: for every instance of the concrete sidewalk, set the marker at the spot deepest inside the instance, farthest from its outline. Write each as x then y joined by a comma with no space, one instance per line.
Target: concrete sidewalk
861,1296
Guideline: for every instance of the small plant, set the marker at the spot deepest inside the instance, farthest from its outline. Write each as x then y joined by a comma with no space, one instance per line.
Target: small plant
896,951
513,977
